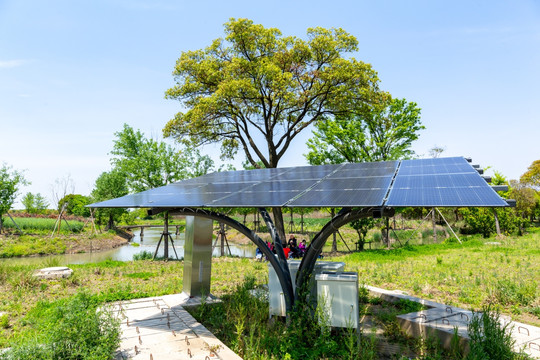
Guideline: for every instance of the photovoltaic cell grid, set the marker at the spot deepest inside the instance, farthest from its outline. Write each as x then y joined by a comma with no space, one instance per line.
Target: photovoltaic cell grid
424,182
445,182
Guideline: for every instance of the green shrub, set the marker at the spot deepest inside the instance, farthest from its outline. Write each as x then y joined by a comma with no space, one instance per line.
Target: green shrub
144,255
4,321
74,328
489,339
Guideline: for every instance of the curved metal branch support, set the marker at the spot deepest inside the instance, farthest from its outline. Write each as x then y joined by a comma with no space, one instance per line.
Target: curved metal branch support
315,248
284,278
288,291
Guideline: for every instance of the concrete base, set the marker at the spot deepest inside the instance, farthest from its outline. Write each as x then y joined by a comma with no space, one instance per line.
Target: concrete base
441,320
53,273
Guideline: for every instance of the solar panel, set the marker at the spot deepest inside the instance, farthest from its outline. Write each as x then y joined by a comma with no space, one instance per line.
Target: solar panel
420,182
445,182
254,199
340,198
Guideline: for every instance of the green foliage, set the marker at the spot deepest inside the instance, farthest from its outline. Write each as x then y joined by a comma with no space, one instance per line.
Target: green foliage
43,225
34,204
482,220
240,320
10,182
28,245
75,328
382,133
362,226
526,199
258,83
75,204
109,185
4,321
147,163
489,339
532,175
143,255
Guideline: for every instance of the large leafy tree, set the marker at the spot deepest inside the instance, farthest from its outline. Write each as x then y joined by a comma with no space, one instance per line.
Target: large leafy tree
10,182
109,185
256,90
532,175
147,163
75,204
383,133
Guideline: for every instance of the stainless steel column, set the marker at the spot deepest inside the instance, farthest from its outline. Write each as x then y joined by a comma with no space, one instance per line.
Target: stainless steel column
197,256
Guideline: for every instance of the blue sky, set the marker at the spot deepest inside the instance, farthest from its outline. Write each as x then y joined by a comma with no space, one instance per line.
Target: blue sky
73,72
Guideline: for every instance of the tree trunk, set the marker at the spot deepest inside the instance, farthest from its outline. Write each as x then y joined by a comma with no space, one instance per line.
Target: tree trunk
110,224
1,224
497,225
280,226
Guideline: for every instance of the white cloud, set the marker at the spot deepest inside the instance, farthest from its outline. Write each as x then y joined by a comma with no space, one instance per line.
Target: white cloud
12,63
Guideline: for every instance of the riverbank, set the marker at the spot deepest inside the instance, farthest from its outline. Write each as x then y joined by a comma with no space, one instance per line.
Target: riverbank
38,245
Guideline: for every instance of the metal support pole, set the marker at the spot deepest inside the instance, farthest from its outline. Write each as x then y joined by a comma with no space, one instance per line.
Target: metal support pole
166,235
452,230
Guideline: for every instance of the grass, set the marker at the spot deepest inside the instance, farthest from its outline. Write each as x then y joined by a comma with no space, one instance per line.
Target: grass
72,328
107,281
31,245
42,225
468,275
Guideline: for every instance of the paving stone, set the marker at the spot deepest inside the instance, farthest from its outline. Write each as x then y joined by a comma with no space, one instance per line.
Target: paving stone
156,338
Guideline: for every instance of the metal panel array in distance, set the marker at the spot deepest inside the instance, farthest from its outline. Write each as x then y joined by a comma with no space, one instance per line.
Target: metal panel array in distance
445,182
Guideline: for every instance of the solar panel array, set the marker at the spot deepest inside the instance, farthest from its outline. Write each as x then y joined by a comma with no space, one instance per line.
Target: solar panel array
444,182
425,182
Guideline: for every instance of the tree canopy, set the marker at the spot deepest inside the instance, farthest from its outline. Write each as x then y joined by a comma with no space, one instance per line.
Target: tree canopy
10,182
383,133
109,185
532,175
256,90
34,203
75,204
147,163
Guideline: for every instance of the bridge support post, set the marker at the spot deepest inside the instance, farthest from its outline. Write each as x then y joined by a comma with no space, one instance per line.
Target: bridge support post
197,256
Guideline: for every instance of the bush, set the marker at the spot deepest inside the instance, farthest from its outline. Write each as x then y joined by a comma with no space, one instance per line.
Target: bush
74,328
75,204
489,339
144,255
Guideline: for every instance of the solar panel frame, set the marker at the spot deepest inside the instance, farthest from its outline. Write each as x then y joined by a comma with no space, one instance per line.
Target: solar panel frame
420,182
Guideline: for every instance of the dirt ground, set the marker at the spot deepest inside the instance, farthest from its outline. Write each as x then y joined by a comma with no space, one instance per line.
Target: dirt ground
84,245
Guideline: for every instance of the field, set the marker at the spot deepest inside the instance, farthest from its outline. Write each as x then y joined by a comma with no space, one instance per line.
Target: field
502,271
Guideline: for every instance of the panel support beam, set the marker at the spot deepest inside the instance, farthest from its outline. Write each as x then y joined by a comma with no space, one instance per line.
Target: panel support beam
284,280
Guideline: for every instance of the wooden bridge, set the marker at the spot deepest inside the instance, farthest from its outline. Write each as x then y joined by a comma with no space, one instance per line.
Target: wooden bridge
143,226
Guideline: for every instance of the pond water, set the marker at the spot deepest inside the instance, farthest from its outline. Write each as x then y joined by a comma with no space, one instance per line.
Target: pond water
125,253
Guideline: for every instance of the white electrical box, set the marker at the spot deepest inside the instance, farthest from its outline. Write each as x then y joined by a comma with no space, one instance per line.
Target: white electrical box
275,293
338,298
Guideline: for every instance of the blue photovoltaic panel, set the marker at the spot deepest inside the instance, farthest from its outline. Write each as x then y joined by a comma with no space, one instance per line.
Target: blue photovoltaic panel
340,198
255,199
445,182
421,182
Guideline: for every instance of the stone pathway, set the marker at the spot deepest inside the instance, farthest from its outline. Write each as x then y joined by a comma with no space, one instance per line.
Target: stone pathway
159,328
